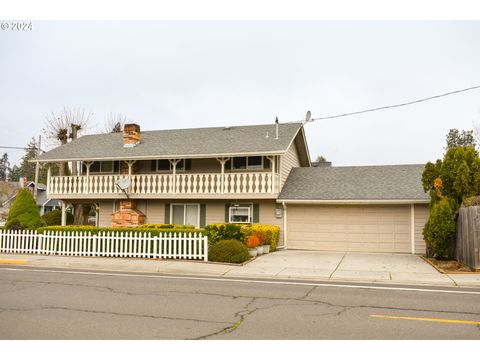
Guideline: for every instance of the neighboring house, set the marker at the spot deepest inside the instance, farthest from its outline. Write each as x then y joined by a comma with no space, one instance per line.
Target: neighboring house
44,204
237,174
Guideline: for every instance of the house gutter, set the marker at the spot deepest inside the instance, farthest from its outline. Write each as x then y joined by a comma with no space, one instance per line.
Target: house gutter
354,202
156,157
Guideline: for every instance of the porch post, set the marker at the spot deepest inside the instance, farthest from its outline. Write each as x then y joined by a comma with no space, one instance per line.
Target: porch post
174,163
49,173
222,162
87,164
274,182
130,165
64,214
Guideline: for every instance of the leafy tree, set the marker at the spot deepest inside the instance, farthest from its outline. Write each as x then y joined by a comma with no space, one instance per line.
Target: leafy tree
24,213
439,231
321,159
4,167
456,138
459,172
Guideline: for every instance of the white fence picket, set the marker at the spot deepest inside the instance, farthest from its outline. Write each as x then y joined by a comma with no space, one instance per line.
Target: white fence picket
131,244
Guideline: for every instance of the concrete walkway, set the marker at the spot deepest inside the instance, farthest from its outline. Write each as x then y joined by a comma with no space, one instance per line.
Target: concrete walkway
289,264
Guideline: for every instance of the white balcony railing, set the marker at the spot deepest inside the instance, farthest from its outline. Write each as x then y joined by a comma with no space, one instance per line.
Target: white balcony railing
211,183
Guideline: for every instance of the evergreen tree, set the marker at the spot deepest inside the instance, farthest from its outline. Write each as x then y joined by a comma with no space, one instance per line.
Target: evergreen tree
4,167
24,213
458,173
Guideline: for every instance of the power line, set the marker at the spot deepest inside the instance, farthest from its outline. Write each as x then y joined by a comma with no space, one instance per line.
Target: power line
13,147
394,106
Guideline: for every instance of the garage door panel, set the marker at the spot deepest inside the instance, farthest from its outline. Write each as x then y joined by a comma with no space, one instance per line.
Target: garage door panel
375,228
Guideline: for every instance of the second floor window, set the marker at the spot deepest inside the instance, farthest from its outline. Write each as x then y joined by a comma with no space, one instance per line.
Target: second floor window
102,167
166,165
249,163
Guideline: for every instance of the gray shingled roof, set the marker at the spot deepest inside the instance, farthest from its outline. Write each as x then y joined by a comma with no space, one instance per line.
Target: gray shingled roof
213,141
389,182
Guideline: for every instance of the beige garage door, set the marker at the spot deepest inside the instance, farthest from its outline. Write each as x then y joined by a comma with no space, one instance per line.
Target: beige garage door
372,228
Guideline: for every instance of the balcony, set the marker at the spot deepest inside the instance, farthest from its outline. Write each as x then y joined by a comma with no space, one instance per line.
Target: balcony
192,185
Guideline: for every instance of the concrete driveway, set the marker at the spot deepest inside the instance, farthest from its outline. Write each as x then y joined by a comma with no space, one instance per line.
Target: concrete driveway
347,266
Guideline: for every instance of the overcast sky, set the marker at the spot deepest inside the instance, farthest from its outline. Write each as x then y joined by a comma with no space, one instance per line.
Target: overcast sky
165,75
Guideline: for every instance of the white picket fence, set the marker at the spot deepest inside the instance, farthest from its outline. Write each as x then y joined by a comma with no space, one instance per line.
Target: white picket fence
111,244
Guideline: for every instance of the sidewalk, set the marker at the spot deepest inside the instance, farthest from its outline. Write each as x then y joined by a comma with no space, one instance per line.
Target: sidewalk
280,265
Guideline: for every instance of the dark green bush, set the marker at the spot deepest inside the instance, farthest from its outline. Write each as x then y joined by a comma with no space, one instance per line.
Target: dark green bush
24,213
439,231
231,251
54,217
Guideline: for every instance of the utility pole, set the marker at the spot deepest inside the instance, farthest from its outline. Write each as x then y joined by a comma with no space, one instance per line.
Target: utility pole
37,167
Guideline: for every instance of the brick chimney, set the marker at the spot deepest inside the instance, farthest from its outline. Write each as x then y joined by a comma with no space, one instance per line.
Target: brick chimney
131,135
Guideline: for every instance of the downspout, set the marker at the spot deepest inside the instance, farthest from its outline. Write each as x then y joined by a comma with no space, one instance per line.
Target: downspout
284,227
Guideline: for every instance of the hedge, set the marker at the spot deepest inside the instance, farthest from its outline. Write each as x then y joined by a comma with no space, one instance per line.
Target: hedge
54,217
166,226
96,230
231,251
268,234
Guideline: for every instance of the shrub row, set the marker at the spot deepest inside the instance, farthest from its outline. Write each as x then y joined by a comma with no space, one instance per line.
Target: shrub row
267,234
166,226
96,230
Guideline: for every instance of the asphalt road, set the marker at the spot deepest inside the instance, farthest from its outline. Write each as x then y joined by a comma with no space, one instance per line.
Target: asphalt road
64,304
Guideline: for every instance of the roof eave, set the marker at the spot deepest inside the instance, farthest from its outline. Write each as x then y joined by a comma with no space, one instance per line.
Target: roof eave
354,201
155,157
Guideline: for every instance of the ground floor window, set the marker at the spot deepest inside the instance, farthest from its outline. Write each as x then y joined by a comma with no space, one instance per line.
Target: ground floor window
240,214
185,214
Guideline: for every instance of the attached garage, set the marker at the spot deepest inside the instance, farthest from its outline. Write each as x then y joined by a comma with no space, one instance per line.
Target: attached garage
355,209
370,228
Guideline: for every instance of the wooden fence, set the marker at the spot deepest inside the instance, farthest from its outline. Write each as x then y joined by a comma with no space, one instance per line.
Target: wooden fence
111,244
467,249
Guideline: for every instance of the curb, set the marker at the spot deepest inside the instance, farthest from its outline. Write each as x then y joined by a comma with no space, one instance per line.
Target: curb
13,262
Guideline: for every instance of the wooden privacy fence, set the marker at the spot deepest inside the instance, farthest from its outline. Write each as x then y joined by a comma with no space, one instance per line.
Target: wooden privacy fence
467,249
112,244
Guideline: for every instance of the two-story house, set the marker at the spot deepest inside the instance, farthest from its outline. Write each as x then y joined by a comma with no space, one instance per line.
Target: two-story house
242,174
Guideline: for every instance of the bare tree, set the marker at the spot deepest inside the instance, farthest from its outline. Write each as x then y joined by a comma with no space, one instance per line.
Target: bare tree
63,126
66,125
476,132
114,122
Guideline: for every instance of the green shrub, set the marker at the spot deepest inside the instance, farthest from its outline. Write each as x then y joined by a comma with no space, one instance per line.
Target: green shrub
54,217
24,213
217,232
231,251
439,231
471,201
269,234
